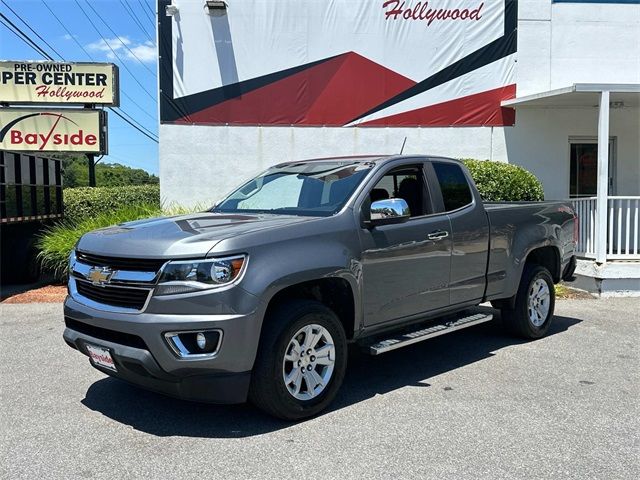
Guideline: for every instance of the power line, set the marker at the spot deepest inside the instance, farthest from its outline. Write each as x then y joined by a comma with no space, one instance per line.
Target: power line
73,37
135,18
151,12
124,65
142,109
26,38
29,27
40,50
17,35
120,40
146,11
134,126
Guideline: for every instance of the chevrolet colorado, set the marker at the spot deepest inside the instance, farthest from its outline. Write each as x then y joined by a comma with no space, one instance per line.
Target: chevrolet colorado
259,297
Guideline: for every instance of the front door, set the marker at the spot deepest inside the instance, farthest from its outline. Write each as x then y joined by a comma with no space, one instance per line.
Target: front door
583,167
405,273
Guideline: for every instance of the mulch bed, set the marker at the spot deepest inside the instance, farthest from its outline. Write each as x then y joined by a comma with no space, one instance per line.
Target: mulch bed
48,294
57,293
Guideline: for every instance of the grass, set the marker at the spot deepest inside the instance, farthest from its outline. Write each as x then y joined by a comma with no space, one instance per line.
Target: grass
56,242
562,291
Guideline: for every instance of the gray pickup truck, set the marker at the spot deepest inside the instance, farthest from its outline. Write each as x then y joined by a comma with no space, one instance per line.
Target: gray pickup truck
259,297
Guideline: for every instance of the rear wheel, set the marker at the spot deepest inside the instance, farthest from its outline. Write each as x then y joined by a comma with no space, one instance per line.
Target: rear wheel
534,304
301,362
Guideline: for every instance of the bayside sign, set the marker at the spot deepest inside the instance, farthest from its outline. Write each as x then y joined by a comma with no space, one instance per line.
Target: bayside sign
59,83
62,130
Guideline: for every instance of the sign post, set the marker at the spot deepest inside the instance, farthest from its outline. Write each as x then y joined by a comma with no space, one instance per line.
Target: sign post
92,169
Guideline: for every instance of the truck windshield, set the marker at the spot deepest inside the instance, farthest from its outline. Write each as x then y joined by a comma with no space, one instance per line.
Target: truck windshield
313,188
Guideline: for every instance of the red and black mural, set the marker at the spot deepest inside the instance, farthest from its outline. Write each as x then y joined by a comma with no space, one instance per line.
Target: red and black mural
384,63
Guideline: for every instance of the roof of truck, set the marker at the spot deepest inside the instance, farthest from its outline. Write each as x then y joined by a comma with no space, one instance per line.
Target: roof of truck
363,158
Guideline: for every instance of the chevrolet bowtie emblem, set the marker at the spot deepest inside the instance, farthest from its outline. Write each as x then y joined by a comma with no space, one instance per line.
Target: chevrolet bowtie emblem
100,275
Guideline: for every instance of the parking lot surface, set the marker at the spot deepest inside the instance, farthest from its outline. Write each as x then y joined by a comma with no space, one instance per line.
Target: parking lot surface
473,404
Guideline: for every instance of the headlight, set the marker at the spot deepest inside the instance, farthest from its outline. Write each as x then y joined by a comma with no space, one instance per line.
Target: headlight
192,275
72,260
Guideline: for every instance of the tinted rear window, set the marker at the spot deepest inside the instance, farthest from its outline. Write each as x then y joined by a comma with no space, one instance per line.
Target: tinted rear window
454,186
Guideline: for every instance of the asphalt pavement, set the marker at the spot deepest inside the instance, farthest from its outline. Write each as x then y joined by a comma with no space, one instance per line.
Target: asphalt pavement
473,404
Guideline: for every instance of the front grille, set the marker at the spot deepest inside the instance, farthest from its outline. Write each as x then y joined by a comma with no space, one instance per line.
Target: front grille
105,334
134,298
119,263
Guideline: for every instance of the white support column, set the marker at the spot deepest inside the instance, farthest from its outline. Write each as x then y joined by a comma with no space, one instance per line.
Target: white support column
603,178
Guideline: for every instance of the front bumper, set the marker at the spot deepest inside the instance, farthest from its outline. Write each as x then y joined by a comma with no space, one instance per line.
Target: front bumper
142,356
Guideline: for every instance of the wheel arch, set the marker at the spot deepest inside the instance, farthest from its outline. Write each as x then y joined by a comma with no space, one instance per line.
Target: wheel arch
336,293
546,256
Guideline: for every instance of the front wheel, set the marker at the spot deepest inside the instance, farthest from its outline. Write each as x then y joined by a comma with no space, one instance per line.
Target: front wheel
534,304
301,362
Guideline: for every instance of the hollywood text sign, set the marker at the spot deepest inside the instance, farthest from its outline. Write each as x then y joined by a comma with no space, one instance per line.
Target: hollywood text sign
59,83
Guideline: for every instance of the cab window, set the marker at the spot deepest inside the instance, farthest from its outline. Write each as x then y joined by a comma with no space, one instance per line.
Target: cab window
406,182
453,184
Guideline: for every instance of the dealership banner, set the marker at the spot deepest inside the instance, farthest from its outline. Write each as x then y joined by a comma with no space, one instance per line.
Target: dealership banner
68,130
338,63
59,83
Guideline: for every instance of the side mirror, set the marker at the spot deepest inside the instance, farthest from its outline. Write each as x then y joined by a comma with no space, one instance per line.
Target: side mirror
389,212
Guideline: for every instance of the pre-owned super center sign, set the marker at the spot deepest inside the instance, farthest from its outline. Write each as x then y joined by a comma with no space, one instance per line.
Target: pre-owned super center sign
60,83
62,130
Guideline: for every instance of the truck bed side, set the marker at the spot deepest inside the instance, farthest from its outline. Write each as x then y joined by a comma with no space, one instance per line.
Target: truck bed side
518,228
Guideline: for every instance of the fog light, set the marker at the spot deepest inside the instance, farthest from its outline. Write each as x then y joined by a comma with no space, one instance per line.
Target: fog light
201,340
194,343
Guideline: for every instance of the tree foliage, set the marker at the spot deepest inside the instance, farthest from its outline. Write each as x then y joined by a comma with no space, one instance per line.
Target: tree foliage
76,173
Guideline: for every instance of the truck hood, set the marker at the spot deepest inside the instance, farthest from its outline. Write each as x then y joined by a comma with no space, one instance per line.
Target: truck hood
184,236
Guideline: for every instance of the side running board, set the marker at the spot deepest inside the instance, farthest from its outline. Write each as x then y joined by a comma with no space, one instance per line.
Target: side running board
434,330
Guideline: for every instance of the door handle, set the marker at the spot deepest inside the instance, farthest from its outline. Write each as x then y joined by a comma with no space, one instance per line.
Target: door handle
438,235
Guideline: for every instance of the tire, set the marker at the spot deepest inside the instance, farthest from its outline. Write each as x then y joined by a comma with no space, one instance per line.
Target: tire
293,321
537,291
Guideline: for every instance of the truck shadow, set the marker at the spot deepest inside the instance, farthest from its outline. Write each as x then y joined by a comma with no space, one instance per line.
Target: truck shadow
366,377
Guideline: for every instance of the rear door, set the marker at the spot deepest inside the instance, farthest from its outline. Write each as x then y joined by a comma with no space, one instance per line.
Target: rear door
405,267
454,196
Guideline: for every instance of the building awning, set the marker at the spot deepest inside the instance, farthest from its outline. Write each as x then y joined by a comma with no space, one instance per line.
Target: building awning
580,95
604,97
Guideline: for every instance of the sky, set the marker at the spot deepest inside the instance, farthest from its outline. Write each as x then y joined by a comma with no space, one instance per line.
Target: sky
124,34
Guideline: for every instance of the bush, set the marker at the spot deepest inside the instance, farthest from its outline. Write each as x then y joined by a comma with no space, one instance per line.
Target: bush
503,182
56,242
84,203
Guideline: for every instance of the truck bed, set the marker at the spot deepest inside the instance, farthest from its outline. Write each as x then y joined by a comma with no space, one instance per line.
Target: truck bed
552,219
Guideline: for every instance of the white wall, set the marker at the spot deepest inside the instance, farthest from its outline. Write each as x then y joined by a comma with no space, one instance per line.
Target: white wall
202,163
558,45
540,143
561,44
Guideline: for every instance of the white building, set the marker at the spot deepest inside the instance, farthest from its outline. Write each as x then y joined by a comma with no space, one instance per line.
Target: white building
262,81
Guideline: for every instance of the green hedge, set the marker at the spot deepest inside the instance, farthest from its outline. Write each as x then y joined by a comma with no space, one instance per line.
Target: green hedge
56,241
84,203
504,182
